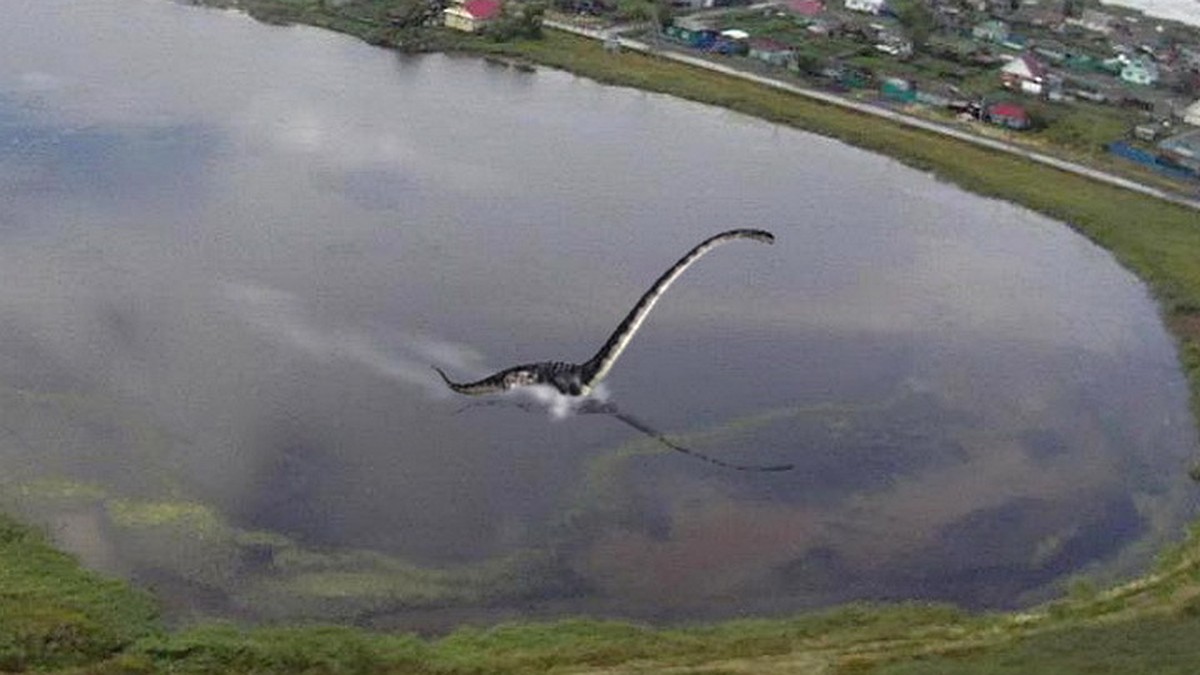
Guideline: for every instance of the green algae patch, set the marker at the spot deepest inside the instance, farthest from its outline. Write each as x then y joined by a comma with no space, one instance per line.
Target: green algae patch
192,516
59,490
260,575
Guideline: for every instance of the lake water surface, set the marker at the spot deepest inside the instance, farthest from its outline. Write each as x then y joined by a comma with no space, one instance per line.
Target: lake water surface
231,253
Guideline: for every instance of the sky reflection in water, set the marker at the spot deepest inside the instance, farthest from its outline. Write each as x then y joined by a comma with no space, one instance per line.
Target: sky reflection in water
231,252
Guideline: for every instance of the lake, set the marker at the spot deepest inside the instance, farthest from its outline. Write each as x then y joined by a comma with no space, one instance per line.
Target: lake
232,253
1183,11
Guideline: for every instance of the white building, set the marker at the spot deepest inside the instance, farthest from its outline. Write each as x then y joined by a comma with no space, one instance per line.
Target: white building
1024,73
1191,114
867,6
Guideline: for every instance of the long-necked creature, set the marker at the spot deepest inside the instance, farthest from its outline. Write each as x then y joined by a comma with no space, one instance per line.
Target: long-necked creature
578,379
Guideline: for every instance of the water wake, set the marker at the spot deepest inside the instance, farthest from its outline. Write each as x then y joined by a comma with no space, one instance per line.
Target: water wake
283,318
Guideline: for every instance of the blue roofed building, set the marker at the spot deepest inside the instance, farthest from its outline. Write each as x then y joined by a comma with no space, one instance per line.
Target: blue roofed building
1183,150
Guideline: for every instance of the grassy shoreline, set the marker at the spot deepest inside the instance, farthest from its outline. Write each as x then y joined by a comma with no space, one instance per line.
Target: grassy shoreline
54,615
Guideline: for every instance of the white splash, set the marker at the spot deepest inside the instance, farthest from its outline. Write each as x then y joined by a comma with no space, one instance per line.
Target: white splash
557,404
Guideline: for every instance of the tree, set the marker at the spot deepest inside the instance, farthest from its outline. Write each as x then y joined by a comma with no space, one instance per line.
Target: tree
663,13
522,20
917,18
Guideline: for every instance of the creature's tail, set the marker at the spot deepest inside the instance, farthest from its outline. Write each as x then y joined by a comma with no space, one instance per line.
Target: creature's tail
598,366
487,385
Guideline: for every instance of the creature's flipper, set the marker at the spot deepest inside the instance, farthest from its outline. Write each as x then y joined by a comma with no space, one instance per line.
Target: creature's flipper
611,409
598,366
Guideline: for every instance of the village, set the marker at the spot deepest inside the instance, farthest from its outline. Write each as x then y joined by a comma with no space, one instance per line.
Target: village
1095,81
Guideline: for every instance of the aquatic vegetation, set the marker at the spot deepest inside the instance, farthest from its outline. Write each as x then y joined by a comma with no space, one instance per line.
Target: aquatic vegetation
59,490
191,516
267,575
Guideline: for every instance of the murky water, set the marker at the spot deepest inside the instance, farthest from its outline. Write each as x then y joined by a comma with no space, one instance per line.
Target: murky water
231,252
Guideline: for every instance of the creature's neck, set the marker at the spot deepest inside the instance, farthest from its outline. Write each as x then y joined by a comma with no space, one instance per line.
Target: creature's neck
594,369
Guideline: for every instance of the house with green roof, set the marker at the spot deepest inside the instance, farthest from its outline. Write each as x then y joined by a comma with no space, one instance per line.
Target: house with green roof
992,30
1140,70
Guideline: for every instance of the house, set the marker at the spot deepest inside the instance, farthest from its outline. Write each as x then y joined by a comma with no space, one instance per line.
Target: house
993,30
898,89
847,76
1052,51
471,16
1096,21
950,19
1189,56
939,95
1015,42
1037,16
731,42
1024,73
1191,114
1183,149
691,34
824,26
1008,115
866,6
806,8
770,51
1148,132
1138,70
896,45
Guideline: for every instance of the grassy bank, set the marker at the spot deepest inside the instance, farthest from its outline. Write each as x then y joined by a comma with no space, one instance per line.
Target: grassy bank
56,616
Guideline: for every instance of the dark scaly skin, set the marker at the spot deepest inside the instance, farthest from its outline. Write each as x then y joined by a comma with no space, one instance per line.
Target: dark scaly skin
578,379
565,377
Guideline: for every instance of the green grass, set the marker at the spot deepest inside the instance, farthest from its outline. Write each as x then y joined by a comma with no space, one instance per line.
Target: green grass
55,614
1160,645
315,649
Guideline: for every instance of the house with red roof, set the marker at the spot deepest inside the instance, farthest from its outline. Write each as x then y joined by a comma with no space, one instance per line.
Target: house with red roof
1008,115
770,51
806,8
472,15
